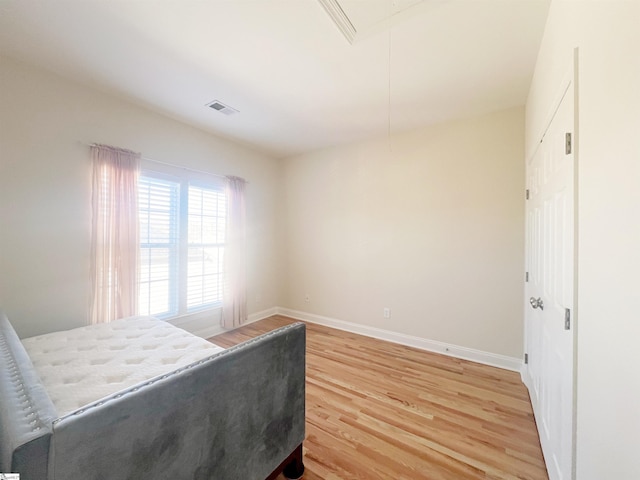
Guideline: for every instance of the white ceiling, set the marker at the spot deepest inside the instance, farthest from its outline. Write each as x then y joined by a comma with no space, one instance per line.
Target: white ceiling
298,83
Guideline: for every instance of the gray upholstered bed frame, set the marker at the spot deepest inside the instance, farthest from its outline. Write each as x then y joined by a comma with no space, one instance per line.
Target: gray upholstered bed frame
238,414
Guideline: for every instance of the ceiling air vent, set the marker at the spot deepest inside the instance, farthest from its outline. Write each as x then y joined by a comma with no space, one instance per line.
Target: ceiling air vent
222,108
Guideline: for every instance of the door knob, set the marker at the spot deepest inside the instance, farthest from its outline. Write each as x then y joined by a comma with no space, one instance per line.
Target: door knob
536,303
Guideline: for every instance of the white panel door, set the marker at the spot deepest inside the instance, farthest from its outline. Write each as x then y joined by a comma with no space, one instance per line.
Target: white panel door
550,289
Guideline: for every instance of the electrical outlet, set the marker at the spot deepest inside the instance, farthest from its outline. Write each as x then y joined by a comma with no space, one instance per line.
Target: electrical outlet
307,298
386,313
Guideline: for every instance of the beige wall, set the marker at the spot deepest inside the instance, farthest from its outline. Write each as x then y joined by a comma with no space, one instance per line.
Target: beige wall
607,34
429,225
45,191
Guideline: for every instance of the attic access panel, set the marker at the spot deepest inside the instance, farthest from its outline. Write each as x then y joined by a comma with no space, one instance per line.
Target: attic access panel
357,19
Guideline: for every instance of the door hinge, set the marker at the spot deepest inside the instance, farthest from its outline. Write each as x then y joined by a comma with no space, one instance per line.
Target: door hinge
526,276
567,319
527,194
567,143
526,358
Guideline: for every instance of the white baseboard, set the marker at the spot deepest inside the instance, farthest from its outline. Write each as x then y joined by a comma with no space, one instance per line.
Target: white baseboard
525,376
213,330
254,317
209,331
486,358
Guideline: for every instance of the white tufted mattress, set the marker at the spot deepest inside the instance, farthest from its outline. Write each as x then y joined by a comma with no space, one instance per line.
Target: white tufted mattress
85,364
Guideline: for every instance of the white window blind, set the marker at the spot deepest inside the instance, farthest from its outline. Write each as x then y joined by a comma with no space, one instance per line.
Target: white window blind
158,202
182,236
206,212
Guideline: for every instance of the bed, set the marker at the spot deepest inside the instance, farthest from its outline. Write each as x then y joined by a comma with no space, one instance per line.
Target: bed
142,399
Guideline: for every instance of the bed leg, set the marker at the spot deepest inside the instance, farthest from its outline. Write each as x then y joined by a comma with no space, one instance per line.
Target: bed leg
294,469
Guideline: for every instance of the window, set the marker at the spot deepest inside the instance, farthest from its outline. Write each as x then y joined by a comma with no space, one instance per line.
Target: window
206,225
182,234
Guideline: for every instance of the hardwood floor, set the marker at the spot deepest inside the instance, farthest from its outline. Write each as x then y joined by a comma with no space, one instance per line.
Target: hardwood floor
377,410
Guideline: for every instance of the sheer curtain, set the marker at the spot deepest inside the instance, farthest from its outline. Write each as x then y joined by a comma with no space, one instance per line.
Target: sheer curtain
234,300
115,233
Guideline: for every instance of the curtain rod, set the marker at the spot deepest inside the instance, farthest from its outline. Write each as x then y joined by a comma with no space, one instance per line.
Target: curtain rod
158,161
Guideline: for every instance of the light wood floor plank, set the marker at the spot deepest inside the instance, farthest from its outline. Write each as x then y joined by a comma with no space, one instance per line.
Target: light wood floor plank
378,410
